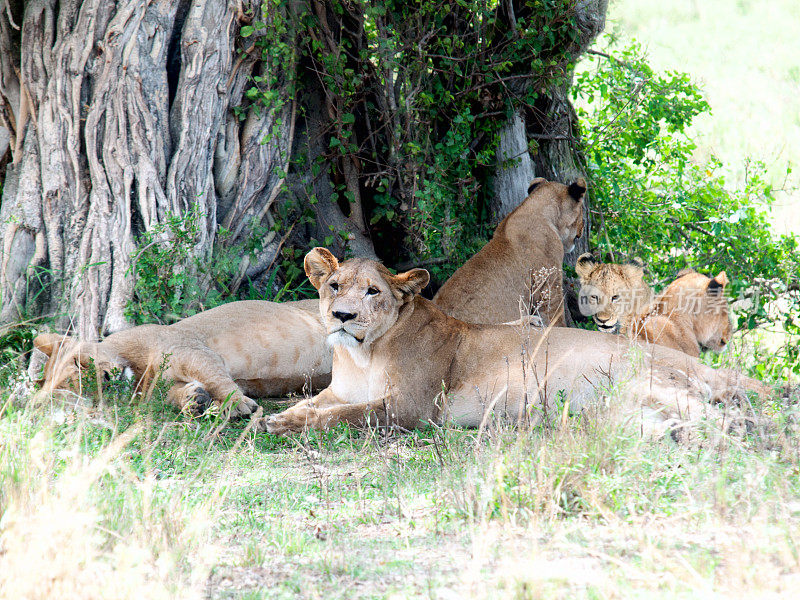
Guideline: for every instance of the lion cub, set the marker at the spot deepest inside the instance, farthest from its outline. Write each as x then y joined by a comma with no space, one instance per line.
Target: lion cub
519,270
219,356
689,314
612,294
694,313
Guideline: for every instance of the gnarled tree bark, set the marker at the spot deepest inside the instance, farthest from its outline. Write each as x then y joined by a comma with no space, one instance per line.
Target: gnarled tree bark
122,113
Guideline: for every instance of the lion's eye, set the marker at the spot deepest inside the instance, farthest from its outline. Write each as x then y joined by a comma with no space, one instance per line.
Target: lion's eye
334,286
614,298
373,291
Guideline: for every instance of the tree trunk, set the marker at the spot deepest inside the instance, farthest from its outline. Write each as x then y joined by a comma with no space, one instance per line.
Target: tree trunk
515,169
310,181
121,114
4,140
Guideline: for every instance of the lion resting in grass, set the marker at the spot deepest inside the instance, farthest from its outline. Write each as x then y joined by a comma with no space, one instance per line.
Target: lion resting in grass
399,360
220,356
519,270
613,294
691,313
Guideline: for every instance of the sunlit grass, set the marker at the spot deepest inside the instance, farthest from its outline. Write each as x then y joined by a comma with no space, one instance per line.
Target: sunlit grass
136,501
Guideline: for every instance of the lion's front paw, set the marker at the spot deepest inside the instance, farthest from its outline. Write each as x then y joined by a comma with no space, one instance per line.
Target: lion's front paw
198,400
287,422
244,408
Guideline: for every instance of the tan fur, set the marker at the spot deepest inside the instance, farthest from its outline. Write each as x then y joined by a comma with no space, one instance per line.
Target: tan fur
612,294
400,360
226,354
689,314
520,269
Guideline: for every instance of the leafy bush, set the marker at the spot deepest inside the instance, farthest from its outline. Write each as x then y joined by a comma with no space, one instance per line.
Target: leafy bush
16,340
650,199
415,94
165,290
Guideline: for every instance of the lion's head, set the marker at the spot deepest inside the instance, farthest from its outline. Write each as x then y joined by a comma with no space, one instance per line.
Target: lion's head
566,204
359,300
611,293
701,299
68,358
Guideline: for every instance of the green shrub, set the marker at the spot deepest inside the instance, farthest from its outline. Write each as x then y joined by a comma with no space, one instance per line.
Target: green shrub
16,340
165,287
652,200
171,280
416,93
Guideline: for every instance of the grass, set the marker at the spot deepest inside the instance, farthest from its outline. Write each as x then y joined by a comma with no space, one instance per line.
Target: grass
134,500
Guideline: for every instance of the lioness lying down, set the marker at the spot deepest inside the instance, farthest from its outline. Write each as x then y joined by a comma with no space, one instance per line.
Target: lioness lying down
691,313
398,359
222,355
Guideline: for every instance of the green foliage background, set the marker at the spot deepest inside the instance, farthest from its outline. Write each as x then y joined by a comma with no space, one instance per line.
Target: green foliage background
416,96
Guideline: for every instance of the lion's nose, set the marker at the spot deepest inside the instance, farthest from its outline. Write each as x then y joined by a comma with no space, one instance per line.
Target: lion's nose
344,316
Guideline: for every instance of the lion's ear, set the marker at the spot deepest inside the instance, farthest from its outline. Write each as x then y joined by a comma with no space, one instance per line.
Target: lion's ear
535,183
319,264
635,266
411,282
717,285
577,189
585,263
636,262
50,343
